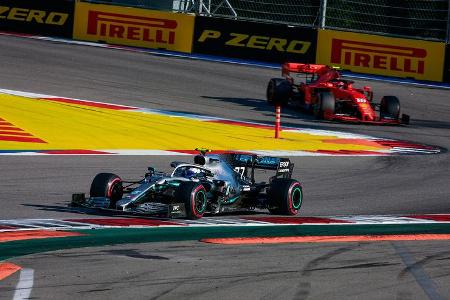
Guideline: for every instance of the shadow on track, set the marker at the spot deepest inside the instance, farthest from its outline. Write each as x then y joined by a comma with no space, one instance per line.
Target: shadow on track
262,106
289,112
113,213
431,124
292,116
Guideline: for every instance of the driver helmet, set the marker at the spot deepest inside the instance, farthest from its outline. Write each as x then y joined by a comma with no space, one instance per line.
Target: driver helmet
191,172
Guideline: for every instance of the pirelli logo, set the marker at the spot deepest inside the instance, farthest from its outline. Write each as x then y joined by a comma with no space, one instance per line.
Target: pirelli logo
130,27
378,56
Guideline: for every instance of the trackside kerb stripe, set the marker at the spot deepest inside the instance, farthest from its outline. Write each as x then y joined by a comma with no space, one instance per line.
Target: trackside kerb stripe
298,220
319,145
2,227
327,239
11,133
33,234
74,152
114,236
90,103
10,128
21,139
73,224
7,269
437,218
127,222
15,133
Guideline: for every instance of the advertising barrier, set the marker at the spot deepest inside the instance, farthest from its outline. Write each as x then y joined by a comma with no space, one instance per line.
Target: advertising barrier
364,53
447,64
133,27
49,17
255,41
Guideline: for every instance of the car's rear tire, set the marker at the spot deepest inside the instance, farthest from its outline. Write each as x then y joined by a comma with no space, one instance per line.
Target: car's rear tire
193,195
278,91
326,105
285,196
390,107
107,185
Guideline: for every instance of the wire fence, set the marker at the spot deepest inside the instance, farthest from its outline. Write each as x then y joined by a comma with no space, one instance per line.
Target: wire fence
422,19
419,18
294,12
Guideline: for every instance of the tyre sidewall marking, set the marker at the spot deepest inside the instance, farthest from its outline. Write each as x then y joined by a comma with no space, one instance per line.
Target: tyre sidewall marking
292,188
198,189
111,186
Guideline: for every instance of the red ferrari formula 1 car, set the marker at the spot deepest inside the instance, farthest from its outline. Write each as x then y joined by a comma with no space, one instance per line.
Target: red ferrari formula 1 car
321,90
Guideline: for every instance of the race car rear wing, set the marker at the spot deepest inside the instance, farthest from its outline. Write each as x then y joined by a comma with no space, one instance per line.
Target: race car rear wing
282,166
286,68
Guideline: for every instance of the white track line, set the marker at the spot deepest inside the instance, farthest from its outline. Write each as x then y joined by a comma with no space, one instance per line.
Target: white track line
25,284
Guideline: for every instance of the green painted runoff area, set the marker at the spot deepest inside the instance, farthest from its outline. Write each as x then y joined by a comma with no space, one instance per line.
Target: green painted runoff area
114,236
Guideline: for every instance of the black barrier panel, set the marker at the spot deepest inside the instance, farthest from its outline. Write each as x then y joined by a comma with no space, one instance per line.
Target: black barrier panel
45,17
255,41
447,64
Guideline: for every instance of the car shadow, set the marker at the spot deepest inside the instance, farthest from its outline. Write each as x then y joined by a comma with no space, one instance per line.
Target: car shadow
290,116
262,106
306,120
71,209
121,214
430,124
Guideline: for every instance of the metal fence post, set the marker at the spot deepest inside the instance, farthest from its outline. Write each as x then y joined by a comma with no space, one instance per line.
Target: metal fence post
200,7
323,9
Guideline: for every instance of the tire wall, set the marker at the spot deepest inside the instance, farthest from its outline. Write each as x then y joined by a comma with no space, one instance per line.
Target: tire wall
447,64
246,40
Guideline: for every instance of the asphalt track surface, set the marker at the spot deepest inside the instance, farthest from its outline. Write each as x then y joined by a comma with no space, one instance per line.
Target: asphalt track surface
40,187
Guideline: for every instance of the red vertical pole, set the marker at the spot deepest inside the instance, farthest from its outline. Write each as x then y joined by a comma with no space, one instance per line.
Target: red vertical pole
277,121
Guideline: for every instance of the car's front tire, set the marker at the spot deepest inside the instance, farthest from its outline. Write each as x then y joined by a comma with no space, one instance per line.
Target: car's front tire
285,196
107,185
193,195
390,107
326,105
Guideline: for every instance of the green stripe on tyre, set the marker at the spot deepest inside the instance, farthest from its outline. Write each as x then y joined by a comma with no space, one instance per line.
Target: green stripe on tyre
204,201
297,190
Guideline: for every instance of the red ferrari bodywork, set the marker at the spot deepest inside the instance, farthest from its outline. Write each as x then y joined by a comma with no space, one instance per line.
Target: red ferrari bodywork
310,81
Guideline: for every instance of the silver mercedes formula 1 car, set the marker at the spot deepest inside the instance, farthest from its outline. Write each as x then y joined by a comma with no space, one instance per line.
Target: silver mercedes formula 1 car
214,183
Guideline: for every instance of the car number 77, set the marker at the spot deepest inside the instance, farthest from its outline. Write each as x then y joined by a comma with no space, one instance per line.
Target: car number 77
240,170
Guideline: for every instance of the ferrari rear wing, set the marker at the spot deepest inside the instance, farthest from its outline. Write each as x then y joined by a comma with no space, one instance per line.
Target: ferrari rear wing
286,68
